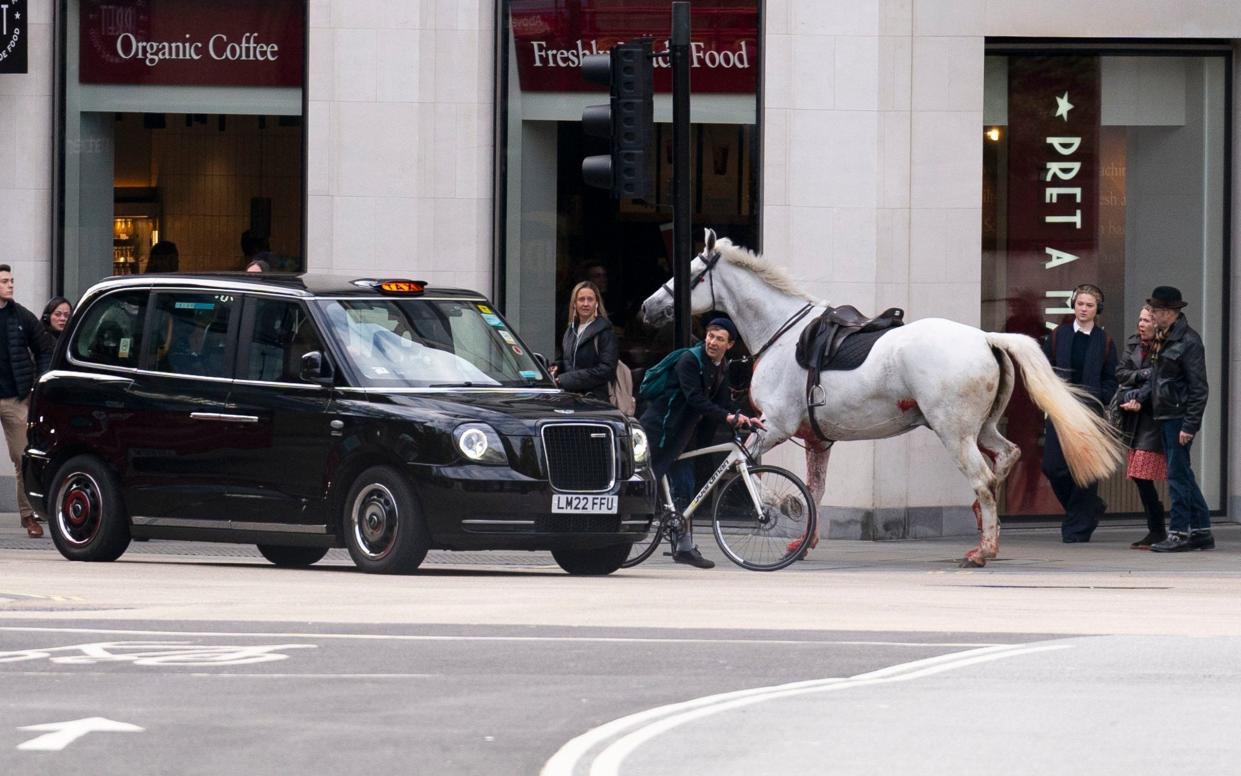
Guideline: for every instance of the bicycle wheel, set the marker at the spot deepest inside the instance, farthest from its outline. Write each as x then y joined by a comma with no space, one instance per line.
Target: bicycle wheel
769,538
646,546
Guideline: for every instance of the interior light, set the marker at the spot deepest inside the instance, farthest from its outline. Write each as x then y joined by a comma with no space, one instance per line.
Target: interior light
994,134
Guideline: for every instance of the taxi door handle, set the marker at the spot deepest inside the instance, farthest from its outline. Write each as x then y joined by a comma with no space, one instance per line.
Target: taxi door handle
224,417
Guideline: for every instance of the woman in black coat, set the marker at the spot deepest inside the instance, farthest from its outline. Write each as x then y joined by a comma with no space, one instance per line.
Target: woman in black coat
1082,353
56,315
1146,459
589,348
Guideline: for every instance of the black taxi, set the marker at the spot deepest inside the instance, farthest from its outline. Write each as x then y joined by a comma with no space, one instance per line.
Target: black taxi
300,413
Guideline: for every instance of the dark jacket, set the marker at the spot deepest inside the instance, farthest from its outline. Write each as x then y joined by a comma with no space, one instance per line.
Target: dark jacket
30,348
702,394
589,358
1133,372
1098,378
1180,377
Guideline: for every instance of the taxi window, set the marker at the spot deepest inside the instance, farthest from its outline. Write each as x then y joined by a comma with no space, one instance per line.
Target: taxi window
109,333
430,343
280,334
189,333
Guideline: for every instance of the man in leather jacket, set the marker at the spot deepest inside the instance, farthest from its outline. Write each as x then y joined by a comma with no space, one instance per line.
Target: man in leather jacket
1178,399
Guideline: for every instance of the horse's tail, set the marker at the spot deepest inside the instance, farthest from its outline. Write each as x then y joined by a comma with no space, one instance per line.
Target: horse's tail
1091,447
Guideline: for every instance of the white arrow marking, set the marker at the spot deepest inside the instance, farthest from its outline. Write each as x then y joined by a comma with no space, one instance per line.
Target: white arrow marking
64,733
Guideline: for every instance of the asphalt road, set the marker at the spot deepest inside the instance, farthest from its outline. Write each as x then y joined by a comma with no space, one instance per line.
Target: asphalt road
868,658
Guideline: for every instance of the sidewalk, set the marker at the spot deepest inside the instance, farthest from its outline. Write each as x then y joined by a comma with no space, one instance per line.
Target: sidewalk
1022,548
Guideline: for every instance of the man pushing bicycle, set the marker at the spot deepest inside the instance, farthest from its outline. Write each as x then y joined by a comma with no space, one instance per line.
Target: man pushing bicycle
694,401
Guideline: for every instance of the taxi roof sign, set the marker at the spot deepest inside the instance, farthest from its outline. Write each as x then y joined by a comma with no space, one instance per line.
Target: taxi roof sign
395,286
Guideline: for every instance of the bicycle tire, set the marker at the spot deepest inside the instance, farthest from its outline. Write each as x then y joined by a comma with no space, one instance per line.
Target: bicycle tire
774,539
646,546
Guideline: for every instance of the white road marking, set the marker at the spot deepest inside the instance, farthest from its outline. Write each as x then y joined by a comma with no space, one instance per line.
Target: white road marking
534,639
64,733
628,733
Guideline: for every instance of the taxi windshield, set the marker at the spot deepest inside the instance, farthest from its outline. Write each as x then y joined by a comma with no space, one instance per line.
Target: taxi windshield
422,343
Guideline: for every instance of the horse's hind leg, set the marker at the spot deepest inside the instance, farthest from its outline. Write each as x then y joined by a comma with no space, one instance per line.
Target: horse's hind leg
977,469
1003,456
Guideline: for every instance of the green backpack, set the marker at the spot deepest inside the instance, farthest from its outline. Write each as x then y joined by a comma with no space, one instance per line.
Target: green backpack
660,380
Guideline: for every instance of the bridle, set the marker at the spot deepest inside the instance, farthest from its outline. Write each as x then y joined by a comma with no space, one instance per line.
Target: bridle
710,261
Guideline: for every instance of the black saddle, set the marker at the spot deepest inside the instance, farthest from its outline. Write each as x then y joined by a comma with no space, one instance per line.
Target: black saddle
823,339
839,340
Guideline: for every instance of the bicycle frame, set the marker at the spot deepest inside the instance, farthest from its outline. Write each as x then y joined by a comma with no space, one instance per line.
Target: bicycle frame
739,457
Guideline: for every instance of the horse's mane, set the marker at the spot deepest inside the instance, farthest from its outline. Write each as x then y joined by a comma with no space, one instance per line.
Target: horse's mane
776,277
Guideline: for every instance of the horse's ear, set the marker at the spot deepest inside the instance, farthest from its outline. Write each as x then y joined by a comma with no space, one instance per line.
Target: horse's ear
708,238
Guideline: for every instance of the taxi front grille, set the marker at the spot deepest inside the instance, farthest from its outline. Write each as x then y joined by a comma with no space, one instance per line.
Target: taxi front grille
581,457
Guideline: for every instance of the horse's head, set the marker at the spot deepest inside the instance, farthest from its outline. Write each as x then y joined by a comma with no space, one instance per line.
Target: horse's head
658,307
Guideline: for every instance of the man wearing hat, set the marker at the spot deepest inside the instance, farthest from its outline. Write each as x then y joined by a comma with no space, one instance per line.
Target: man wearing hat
698,402
1178,399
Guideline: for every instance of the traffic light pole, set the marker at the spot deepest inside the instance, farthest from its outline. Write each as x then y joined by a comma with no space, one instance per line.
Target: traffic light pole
681,238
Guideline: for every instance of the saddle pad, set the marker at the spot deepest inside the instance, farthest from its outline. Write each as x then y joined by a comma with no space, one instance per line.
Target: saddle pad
854,350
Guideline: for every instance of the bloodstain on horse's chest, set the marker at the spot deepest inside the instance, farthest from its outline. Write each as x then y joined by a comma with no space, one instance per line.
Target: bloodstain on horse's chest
906,405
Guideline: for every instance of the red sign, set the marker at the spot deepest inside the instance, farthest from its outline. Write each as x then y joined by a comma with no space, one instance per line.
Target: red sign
1053,226
552,36
193,43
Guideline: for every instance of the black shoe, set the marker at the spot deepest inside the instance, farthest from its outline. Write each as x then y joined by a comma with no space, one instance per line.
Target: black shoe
1176,542
693,557
1151,538
1201,540
1075,539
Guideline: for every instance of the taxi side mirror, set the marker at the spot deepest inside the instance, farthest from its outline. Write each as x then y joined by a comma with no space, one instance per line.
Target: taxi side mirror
316,369
542,359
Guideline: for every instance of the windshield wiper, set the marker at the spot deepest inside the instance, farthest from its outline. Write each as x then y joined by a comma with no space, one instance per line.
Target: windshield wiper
455,385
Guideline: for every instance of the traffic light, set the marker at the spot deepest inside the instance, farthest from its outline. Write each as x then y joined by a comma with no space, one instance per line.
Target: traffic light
627,122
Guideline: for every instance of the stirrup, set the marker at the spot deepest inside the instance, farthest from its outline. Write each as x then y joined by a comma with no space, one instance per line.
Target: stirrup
817,396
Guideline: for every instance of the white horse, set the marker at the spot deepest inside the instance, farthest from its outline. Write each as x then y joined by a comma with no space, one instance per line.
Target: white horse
952,378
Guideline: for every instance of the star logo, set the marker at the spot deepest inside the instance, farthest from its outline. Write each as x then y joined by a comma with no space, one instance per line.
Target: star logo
1063,106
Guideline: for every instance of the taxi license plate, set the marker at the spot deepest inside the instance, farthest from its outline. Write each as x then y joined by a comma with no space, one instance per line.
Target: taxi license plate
589,505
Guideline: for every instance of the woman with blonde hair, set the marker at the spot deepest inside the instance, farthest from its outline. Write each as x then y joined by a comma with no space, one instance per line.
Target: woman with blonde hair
589,348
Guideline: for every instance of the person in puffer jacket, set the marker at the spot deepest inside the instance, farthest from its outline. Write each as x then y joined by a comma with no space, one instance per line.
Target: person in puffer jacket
25,353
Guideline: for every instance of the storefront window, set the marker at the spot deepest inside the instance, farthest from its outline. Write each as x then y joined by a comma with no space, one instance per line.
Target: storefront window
555,230
182,133
1110,170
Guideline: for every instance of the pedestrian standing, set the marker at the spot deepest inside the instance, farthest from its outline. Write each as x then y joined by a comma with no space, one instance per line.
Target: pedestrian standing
1146,461
56,316
1082,353
25,353
589,348
1179,397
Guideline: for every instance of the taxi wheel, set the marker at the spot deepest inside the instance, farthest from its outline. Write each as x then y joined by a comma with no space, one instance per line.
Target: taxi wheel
291,557
86,515
382,527
596,562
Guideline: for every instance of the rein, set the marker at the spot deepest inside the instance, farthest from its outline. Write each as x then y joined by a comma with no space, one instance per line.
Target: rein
792,321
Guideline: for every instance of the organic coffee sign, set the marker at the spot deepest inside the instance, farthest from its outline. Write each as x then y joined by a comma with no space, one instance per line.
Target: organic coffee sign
191,43
14,29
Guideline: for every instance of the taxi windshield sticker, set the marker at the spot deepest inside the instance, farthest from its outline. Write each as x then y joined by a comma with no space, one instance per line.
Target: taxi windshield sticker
517,349
195,305
123,350
508,338
494,320
482,308
526,374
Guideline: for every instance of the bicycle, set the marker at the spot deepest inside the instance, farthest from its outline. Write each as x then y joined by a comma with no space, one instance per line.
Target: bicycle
763,515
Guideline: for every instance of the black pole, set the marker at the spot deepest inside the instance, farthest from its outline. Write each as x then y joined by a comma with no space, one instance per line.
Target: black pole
681,239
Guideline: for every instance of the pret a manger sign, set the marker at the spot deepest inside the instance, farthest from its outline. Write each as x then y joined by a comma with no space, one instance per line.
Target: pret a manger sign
13,33
184,42
1053,198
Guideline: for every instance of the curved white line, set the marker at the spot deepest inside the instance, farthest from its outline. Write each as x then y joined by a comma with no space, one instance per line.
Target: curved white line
648,724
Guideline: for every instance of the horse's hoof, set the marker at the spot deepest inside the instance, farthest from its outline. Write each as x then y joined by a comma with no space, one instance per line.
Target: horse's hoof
972,560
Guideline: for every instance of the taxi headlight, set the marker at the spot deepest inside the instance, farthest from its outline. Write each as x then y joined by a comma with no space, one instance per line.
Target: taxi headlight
478,442
641,449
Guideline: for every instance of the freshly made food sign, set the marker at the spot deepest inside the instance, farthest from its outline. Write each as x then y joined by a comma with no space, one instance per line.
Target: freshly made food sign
552,36
182,42
13,32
